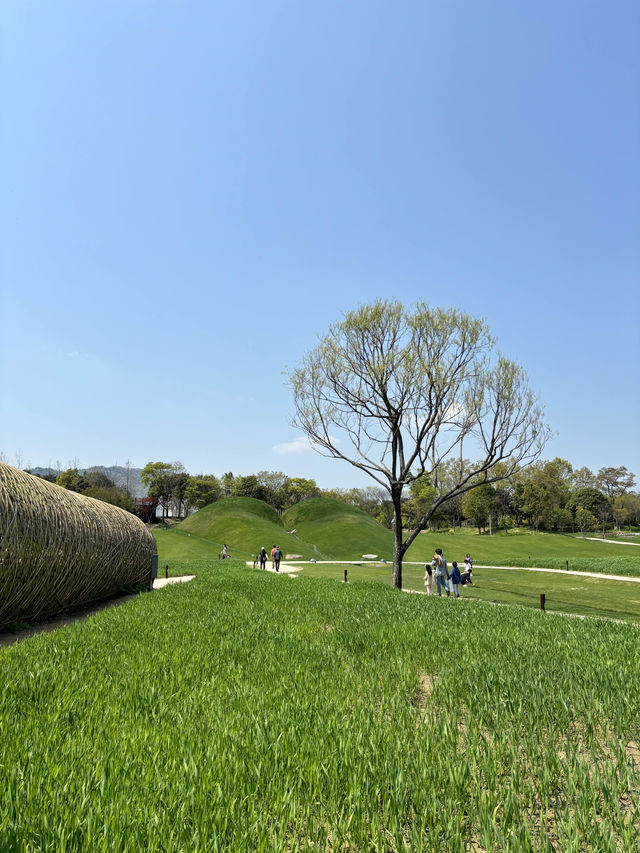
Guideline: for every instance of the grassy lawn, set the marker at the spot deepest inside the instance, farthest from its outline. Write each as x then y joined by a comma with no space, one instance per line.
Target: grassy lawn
545,550
246,711
565,593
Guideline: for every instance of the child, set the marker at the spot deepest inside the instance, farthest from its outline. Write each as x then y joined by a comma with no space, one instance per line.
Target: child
454,577
428,576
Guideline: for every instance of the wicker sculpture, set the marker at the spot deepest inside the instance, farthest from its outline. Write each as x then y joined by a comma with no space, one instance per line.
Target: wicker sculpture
59,549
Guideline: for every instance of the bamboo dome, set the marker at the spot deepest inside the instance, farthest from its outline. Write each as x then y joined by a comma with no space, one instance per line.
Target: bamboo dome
60,549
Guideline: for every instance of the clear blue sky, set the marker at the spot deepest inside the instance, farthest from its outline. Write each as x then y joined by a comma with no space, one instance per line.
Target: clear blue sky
191,192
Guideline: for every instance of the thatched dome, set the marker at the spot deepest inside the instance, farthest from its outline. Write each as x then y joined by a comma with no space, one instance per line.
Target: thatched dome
59,549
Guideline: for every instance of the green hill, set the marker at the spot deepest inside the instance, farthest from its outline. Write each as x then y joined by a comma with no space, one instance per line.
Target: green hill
340,531
244,524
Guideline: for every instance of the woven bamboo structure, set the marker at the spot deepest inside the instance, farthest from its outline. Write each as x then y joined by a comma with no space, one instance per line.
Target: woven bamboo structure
60,550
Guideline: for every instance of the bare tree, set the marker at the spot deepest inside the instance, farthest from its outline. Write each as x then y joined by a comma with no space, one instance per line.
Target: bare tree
396,392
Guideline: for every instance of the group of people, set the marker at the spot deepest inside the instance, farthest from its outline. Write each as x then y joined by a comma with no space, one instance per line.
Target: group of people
449,581
276,556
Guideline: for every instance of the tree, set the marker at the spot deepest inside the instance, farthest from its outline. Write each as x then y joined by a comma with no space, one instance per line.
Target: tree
98,480
585,519
300,489
71,479
478,504
584,478
396,392
248,487
615,481
111,495
202,491
275,483
166,481
590,499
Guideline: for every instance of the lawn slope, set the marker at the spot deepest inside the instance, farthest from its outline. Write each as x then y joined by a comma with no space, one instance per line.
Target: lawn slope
340,531
244,524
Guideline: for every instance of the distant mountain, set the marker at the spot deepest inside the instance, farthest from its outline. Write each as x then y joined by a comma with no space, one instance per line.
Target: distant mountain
117,473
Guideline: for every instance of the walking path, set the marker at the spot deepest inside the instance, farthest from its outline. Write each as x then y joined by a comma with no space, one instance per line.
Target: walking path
160,583
611,541
288,569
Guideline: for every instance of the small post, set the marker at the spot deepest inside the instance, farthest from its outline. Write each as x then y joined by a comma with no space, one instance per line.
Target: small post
345,576
567,564
166,571
542,600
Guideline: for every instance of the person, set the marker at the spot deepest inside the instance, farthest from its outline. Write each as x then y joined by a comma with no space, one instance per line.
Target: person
273,562
468,562
455,579
225,552
428,576
441,572
277,556
263,558
465,577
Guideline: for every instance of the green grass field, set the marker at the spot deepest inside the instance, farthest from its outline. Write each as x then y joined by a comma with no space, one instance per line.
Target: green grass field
329,529
545,550
249,711
564,593
340,531
245,525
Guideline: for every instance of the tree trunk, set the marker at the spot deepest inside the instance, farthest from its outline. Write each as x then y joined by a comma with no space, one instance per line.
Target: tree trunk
398,550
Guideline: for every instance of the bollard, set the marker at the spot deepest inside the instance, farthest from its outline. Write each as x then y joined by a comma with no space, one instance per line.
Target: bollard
166,571
542,600
567,562
345,576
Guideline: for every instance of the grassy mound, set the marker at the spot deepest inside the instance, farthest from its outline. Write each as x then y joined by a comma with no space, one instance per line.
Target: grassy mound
340,531
244,524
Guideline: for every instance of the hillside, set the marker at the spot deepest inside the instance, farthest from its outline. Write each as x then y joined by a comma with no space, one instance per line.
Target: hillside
340,531
244,524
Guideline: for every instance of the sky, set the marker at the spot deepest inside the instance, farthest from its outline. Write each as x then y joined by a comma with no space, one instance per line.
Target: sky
192,192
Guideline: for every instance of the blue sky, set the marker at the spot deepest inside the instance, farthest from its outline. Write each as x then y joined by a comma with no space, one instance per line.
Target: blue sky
193,191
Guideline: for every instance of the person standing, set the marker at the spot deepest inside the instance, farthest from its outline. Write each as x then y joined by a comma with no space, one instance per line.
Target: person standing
273,562
277,556
468,563
428,576
441,572
455,579
263,558
225,552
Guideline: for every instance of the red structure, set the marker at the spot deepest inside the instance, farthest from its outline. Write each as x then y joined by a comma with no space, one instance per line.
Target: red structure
146,509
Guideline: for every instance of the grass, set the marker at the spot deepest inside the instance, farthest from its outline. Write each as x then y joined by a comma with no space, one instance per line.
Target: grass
245,525
565,593
544,550
246,711
329,529
339,531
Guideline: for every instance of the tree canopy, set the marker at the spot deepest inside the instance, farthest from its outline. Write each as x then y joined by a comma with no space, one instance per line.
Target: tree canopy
397,391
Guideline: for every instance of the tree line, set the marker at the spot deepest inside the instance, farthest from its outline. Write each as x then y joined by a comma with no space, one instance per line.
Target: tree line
548,495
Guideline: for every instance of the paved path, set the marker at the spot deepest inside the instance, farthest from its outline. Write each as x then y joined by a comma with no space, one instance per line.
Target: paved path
611,541
160,583
284,568
562,572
